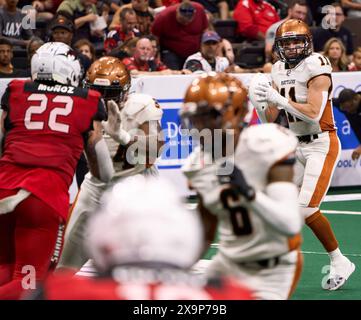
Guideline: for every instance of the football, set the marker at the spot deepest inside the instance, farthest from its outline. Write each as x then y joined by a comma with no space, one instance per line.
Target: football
257,79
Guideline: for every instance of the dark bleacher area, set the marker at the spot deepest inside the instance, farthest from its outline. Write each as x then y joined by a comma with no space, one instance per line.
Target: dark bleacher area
247,54
354,25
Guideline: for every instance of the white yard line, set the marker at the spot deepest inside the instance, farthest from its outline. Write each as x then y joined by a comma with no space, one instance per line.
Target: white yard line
341,212
343,197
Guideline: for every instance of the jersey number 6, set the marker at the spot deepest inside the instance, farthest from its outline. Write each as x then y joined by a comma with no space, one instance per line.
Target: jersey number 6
53,124
239,215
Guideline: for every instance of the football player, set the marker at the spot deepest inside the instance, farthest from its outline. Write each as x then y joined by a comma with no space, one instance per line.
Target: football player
132,120
302,85
46,124
143,241
255,204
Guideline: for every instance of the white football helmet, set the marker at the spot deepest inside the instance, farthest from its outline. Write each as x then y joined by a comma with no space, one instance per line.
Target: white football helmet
143,220
260,106
56,61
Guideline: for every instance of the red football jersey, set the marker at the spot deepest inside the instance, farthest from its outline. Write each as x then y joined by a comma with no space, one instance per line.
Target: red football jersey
45,131
69,287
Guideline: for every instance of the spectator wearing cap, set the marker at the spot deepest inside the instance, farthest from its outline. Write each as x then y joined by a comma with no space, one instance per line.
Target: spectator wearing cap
254,17
62,30
7,70
179,29
11,25
85,16
126,30
349,102
144,61
145,15
207,60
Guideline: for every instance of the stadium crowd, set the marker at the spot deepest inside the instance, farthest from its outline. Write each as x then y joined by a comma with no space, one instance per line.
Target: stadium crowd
174,37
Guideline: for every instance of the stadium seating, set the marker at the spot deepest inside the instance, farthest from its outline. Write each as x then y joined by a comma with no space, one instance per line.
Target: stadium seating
20,59
353,24
249,54
227,29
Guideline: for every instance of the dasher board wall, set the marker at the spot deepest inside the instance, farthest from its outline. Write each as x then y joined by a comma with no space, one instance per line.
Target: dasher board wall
169,91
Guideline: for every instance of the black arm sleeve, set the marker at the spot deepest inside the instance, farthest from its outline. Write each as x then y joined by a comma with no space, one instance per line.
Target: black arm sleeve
101,113
5,99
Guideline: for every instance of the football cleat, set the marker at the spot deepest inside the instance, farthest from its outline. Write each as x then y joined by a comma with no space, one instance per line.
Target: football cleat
339,274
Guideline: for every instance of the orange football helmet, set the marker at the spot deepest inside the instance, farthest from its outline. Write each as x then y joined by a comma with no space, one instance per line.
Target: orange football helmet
110,77
214,101
295,31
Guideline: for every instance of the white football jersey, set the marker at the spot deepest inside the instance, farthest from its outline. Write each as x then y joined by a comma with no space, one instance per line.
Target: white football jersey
243,235
293,84
138,108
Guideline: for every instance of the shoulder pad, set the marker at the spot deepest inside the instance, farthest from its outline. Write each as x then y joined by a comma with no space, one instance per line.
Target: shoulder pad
317,64
139,102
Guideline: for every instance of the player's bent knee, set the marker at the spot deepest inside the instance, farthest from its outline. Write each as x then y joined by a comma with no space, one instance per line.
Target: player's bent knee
308,212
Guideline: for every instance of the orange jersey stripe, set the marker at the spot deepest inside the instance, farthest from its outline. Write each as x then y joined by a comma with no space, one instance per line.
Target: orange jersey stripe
327,123
298,271
294,242
326,173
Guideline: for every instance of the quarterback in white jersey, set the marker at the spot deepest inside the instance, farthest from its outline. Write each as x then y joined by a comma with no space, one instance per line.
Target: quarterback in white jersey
302,86
255,203
133,122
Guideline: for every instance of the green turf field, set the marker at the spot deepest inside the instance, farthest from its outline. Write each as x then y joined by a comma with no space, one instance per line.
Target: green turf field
348,232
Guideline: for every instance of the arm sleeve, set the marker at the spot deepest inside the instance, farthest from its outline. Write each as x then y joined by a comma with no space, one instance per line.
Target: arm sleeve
157,25
129,64
278,206
246,25
5,99
205,20
100,114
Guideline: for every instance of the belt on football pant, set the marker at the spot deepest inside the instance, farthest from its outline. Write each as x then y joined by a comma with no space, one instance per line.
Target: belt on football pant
308,138
261,264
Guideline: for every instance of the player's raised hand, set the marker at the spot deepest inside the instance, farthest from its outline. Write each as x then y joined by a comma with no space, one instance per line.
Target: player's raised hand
112,125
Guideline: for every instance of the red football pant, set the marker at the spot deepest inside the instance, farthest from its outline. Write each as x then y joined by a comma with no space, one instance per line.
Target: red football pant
28,236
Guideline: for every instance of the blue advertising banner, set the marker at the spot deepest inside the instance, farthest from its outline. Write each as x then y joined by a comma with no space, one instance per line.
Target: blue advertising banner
169,91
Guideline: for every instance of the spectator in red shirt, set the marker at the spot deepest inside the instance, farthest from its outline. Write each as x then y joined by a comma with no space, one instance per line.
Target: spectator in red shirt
254,17
144,62
179,29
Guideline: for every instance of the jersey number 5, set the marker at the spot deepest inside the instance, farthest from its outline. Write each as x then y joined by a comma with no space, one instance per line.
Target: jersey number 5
53,124
241,222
